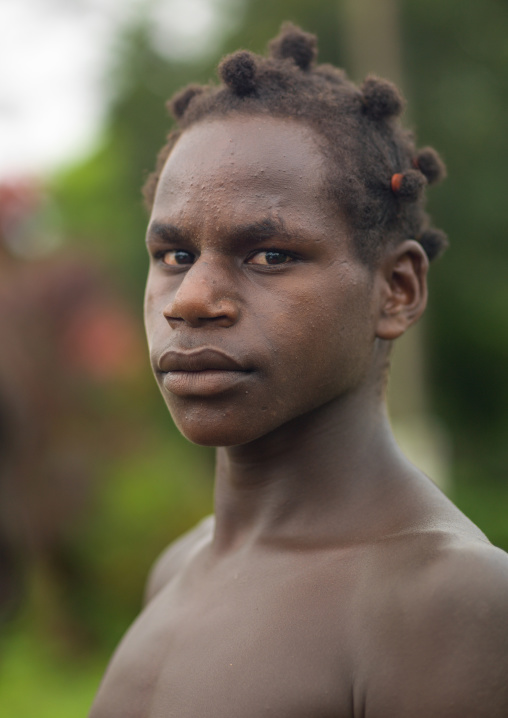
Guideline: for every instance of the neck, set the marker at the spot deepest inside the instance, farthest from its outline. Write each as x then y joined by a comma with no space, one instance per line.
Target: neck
309,477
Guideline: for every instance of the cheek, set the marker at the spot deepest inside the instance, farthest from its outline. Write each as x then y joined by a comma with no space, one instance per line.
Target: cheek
149,311
325,340
155,302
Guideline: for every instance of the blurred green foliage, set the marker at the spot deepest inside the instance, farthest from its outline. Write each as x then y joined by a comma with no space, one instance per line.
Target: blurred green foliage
457,61
36,682
455,65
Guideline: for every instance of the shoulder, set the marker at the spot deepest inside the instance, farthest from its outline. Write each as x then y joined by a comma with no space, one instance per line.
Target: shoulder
464,594
444,635
176,555
464,576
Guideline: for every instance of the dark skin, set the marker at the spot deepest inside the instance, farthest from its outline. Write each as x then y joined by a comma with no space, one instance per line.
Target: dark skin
335,579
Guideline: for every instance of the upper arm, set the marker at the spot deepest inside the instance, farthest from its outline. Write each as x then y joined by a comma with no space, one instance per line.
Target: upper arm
447,653
175,556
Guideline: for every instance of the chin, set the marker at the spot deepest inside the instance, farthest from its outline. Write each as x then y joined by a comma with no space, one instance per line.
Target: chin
206,435
207,425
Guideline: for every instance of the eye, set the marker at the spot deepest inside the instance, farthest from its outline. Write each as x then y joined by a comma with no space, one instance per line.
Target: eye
270,257
176,257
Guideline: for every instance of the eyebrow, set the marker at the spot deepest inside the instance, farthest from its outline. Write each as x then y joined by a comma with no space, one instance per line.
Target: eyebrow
259,231
166,233
245,233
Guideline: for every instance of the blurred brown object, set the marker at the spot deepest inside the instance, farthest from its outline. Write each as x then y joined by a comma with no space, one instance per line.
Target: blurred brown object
65,339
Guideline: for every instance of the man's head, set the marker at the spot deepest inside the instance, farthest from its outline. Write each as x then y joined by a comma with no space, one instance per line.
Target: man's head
261,304
376,177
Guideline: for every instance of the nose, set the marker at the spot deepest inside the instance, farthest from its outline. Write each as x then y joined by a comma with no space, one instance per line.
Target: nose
204,297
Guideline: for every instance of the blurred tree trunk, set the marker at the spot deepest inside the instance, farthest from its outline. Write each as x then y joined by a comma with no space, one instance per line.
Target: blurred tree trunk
372,37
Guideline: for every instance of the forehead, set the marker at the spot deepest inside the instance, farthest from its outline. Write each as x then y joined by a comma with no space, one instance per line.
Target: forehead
260,165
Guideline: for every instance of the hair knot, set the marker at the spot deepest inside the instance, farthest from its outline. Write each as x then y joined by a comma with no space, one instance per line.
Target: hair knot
430,163
434,242
180,101
381,99
408,186
295,44
238,72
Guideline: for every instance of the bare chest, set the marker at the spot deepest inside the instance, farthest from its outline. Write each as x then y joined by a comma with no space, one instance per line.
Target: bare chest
246,647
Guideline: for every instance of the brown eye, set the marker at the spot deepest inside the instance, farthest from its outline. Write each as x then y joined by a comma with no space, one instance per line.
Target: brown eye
177,257
270,257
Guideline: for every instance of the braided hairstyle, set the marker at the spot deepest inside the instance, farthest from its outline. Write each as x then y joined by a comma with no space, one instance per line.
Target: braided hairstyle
376,177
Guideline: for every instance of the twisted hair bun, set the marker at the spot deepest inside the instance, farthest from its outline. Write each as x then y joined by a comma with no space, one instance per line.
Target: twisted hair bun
179,103
238,72
381,99
408,186
294,44
434,242
430,163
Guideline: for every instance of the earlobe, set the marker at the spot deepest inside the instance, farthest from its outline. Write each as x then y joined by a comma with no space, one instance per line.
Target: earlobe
403,295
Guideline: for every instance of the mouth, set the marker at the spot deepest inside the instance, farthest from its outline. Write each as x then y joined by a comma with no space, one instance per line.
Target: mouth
200,372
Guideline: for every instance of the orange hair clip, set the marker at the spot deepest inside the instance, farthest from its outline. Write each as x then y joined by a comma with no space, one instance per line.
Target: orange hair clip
397,181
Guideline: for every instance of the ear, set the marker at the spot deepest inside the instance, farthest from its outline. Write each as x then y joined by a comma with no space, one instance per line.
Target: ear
403,289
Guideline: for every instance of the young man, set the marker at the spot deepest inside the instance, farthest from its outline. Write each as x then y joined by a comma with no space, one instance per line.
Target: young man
288,249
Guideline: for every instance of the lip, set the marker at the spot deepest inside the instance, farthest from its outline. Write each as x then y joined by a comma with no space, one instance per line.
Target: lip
198,360
200,372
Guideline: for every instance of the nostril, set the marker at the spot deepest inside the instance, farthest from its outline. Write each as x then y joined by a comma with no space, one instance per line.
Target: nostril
198,313
171,319
224,320
220,321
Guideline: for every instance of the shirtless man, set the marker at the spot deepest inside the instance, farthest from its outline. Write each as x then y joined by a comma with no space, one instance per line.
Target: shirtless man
288,249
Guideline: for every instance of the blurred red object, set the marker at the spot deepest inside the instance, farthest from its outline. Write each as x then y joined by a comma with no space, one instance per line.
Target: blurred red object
67,340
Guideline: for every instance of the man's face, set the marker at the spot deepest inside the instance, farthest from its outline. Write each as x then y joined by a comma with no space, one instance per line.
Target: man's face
257,310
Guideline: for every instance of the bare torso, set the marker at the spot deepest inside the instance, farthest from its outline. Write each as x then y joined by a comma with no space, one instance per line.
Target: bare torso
297,632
